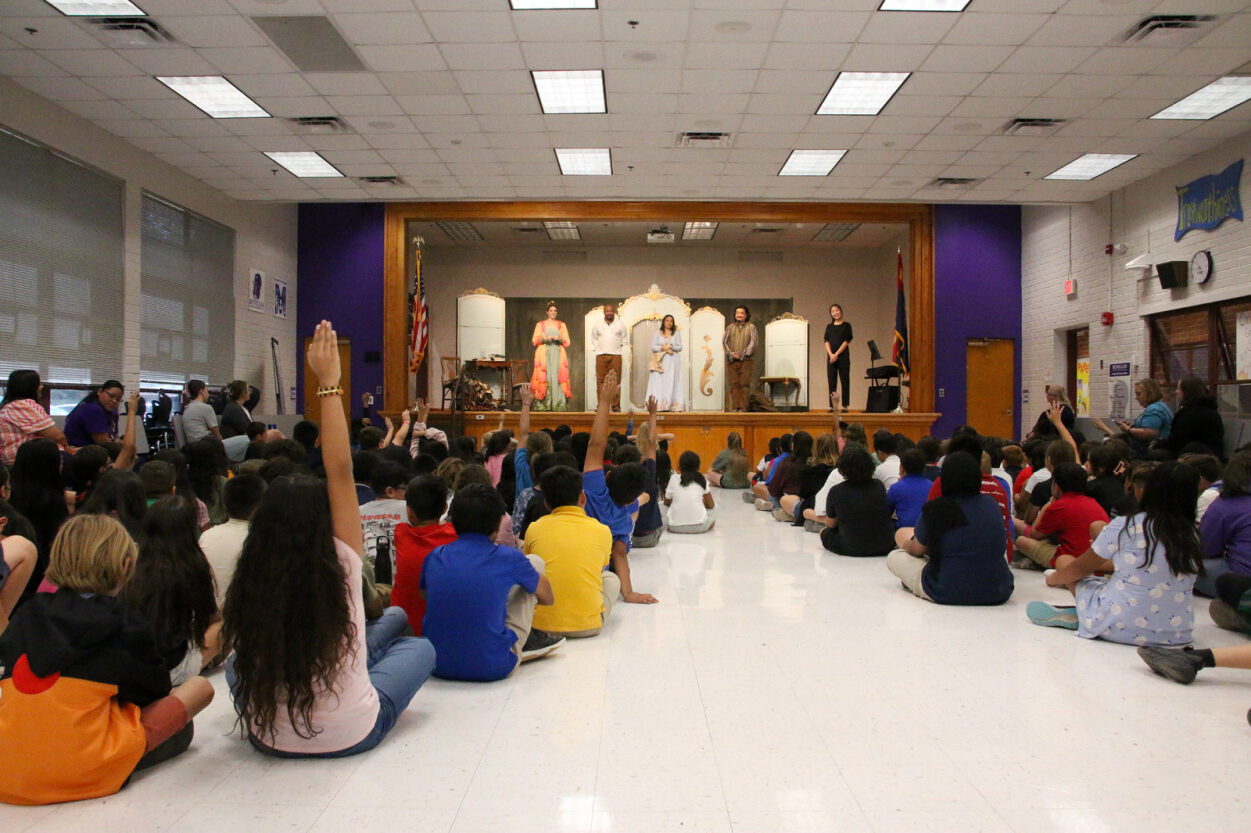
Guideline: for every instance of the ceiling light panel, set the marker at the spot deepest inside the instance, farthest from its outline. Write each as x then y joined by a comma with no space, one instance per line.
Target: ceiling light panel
459,230
811,162
861,93
835,232
570,90
1091,165
523,5
1214,99
584,161
97,8
215,96
699,230
562,230
305,164
923,5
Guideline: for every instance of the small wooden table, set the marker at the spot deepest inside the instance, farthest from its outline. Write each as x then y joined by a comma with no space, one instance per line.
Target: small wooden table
791,382
512,372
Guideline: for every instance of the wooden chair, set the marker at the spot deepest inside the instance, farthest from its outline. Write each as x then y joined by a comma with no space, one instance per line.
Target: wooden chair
518,375
450,369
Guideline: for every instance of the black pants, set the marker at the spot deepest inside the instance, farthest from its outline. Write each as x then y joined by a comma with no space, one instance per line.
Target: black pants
840,369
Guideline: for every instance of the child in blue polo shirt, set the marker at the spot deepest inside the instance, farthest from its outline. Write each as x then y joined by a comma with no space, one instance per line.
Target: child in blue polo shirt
480,596
909,493
612,498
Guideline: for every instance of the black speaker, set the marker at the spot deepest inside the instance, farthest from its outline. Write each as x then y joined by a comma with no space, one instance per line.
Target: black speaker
882,399
1173,273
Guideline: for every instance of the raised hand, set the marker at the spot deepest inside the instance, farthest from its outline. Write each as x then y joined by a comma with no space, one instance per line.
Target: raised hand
406,417
423,410
527,395
652,406
611,387
323,355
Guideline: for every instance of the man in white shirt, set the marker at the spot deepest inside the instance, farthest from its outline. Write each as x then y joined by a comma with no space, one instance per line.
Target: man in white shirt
609,340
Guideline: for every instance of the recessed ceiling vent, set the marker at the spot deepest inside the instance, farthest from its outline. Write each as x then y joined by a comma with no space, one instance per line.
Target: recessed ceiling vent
380,180
122,32
528,230
319,125
1033,127
703,140
766,231
1168,29
953,182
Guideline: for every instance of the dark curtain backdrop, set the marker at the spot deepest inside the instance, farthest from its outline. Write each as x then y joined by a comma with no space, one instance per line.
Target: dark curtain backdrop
523,313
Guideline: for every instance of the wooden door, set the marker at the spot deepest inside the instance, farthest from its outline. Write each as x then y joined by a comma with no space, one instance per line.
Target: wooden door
989,405
312,405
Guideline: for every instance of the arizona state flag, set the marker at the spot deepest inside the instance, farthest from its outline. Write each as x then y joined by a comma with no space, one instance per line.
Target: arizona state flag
420,315
900,352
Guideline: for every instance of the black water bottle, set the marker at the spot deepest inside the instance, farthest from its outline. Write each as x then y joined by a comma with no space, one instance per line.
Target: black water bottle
382,561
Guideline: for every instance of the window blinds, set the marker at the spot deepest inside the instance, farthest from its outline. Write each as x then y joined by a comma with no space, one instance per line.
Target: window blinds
187,306
61,266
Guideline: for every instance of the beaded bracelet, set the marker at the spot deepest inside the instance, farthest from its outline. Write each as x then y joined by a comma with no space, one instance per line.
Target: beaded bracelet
335,391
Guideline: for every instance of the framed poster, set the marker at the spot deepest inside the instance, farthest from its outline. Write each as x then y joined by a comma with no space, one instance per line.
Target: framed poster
1082,404
256,291
280,298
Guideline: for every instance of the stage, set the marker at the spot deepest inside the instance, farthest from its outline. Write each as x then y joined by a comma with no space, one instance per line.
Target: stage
701,432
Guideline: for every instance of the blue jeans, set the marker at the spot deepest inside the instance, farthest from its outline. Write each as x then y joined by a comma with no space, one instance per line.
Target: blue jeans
1212,567
398,665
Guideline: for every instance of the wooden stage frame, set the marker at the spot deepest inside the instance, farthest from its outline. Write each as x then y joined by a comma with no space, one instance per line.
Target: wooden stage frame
701,432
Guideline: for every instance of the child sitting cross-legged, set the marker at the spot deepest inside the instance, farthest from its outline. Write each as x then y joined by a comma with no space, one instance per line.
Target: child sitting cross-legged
480,596
85,699
426,499
690,503
1152,558
1068,517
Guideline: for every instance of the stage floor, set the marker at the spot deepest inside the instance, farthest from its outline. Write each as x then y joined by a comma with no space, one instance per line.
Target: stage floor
702,432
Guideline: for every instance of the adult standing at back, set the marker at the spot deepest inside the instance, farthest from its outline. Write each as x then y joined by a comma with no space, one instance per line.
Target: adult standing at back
837,351
22,418
94,419
739,341
609,339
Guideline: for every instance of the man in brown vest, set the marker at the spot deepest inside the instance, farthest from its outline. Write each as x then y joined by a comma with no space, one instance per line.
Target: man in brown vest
739,342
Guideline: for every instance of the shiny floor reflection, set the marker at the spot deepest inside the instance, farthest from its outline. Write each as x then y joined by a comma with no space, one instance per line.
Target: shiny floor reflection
774,688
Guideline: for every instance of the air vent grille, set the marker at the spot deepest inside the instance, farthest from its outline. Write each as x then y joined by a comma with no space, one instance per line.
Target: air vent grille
953,182
1173,28
319,125
131,31
703,140
835,232
380,180
1033,127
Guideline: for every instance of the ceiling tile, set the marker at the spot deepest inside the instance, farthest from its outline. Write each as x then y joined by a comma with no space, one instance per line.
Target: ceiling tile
222,30
1083,30
949,141
471,27
92,62
259,60
296,106
714,82
365,105
1046,59
562,26
1087,86
656,25
171,62
469,56
49,33
921,105
446,124
432,105
812,82
820,26
546,55
383,28
907,27
827,57
1019,84
723,56
416,58
286,84
26,63
61,89
965,59
867,57
993,29
504,104
1124,60
778,103
995,108
97,110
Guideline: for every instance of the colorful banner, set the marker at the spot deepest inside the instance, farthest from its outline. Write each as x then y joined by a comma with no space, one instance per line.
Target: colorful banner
1082,404
1209,201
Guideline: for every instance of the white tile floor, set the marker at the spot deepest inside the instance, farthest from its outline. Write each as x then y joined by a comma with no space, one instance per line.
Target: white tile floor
774,688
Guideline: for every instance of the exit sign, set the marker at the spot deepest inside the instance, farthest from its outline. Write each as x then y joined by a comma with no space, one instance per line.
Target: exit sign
1070,287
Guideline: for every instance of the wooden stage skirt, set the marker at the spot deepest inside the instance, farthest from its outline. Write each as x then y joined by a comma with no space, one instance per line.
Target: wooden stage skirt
701,432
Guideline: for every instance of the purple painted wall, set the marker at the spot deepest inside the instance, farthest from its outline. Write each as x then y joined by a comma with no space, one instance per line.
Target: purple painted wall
977,291
340,279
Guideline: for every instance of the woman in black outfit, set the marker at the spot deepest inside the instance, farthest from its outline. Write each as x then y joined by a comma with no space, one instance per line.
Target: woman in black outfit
235,418
1197,421
838,354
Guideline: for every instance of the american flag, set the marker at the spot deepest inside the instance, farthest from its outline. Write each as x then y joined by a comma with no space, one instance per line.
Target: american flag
421,324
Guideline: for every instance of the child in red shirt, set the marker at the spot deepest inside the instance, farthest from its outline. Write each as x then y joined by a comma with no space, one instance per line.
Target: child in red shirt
426,498
1067,518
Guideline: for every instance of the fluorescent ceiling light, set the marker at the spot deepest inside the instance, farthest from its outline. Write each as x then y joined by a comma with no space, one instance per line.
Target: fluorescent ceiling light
304,163
459,230
97,8
215,96
834,232
811,162
1214,99
562,230
522,5
699,230
1091,165
584,161
570,90
923,5
861,93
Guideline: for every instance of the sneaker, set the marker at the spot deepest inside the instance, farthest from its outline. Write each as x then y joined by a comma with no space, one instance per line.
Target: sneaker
1226,617
540,644
764,505
1180,666
748,497
779,514
813,526
1041,613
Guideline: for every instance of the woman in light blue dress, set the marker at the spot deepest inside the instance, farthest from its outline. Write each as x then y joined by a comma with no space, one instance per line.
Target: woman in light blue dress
666,384
1152,557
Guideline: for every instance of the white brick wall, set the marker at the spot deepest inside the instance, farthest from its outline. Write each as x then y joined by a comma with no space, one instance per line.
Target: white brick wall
1059,242
265,235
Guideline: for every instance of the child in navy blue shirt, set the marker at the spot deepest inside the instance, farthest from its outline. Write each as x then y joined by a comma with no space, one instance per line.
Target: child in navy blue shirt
906,497
480,596
612,499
